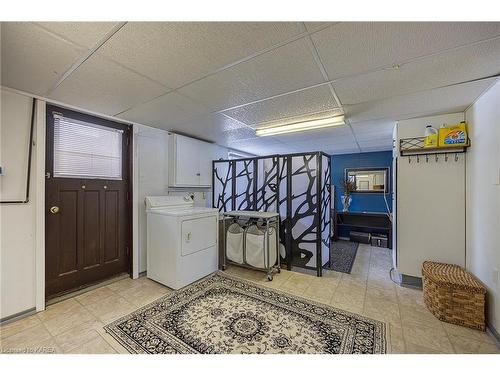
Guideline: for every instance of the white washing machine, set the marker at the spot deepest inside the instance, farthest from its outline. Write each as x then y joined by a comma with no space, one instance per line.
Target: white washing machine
182,240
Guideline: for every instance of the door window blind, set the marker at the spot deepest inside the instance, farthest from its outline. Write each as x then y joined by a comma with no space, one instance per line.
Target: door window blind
86,150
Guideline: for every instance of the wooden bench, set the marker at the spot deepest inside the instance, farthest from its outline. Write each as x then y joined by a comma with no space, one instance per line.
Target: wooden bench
454,295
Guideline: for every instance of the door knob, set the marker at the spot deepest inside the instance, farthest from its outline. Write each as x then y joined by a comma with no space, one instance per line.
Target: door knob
54,209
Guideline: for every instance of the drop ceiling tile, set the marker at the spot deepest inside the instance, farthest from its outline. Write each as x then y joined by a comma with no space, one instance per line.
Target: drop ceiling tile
380,142
284,69
85,34
341,132
314,100
376,148
350,48
460,65
329,149
175,53
314,26
258,146
329,145
443,100
215,128
103,86
32,59
373,130
164,111
343,150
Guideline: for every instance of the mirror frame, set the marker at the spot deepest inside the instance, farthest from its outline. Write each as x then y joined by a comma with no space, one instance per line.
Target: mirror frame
370,169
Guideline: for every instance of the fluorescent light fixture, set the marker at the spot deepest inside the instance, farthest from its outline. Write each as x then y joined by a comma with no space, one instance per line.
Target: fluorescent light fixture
267,130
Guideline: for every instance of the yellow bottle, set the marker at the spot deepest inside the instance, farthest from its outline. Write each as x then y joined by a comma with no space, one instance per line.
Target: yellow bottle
431,137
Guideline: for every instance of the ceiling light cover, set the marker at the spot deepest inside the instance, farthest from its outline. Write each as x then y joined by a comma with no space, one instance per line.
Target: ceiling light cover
268,130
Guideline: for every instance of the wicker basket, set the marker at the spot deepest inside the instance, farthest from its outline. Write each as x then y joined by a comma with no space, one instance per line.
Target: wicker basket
453,295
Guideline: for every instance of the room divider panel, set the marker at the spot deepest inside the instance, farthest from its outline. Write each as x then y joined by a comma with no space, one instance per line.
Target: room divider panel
295,185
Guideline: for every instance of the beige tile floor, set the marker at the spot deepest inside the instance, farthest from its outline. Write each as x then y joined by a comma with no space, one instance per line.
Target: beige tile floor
76,324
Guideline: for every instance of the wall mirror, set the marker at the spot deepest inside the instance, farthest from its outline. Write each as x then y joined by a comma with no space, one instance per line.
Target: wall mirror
368,180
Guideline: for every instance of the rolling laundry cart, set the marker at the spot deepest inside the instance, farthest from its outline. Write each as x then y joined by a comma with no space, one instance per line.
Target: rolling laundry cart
252,240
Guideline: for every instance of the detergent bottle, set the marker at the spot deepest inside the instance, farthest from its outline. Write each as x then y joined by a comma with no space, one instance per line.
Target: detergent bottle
453,135
431,137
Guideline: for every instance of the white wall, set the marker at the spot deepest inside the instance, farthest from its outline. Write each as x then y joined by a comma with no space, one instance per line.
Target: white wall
430,203
22,272
152,157
483,197
17,242
152,150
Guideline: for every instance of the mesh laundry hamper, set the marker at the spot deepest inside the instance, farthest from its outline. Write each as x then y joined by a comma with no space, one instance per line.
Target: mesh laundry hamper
453,295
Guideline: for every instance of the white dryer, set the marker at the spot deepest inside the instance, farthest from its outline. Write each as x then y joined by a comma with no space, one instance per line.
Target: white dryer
182,240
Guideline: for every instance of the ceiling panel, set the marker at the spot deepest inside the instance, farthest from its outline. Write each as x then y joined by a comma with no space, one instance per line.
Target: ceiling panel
340,133
103,86
32,59
373,130
175,53
262,146
314,26
442,100
375,148
85,34
343,150
460,65
349,48
330,146
165,111
314,100
284,69
215,128
337,138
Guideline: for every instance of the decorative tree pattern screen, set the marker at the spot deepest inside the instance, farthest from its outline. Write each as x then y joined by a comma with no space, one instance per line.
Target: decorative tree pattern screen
244,194
297,186
222,176
303,221
325,210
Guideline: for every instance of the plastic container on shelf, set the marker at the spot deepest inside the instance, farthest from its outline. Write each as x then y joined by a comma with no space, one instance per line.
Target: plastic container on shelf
431,136
453,135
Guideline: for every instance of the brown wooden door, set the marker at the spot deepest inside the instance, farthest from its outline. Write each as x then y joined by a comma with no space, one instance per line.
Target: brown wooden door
88,220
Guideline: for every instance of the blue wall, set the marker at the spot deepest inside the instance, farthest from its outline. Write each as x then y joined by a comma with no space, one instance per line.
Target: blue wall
371,202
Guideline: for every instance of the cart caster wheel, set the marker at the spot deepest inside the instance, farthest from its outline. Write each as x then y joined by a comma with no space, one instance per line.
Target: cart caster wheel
224,268
270,277
279,270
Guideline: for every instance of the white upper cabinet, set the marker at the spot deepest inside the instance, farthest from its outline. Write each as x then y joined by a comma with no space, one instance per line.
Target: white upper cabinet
190,162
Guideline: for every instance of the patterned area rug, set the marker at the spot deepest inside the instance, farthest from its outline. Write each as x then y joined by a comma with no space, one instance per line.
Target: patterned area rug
226,314
342,256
